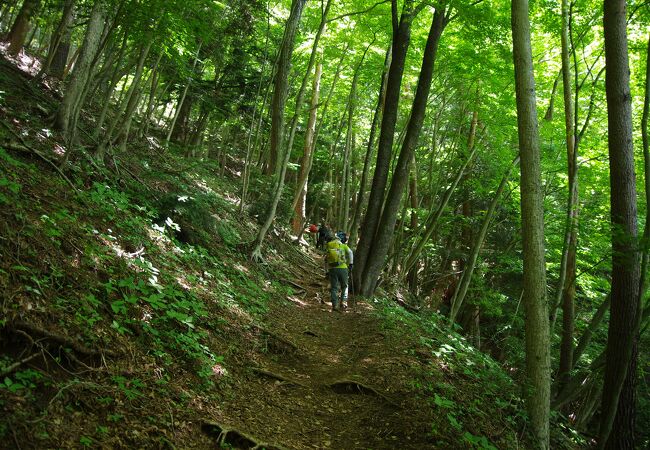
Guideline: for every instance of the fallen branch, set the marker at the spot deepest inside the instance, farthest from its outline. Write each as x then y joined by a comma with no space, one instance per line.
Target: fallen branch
293,284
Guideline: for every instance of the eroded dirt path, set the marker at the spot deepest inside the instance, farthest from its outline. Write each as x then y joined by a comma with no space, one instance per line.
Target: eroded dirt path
326,379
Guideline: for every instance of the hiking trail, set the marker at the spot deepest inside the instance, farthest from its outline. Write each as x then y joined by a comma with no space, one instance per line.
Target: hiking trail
327,379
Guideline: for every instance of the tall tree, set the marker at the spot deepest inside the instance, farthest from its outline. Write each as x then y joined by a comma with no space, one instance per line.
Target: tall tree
618,402
300,196
19,29
401,41
386,227
567,285
278,102
538,364
68,112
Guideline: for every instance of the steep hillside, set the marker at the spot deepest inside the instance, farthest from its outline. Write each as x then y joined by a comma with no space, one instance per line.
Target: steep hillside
133,318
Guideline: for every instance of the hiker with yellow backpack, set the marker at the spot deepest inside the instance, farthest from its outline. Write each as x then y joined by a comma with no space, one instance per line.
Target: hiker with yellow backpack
338,259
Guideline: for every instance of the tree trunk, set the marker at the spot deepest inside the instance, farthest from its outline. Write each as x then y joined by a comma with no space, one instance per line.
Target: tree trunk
181,100
301,91
384,235
567,285
155,77
67,114
538,364
618,408
370,148
432,220
300,197
277,120
59,48
107,93
19,29
463,285
401,40
344,215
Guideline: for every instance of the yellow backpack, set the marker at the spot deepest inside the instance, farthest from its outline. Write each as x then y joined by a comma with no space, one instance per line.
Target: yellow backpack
335,253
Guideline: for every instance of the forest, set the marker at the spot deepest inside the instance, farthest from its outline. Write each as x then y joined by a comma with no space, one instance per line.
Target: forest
162,162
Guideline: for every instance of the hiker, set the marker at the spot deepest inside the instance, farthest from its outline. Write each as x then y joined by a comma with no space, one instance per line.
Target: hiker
323,232
338,258
343,236
313,230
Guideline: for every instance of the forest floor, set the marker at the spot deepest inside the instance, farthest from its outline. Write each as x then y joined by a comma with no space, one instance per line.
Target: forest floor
119,332
342,382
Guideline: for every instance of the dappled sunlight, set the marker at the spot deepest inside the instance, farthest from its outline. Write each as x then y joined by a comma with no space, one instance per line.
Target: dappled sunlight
23,61
298,301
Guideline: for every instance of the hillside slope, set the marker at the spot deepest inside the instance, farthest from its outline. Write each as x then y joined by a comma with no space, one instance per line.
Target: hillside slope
132,317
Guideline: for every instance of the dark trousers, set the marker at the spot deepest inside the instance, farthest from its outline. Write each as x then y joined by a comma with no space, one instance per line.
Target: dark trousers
338,279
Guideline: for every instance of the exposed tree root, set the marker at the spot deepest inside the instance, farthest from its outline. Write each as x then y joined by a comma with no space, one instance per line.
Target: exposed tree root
61,340
23,146
17,364
276,344
234,438
276,376
354,387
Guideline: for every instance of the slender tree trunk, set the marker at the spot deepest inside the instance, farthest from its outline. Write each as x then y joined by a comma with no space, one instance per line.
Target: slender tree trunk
19,29
259,113
155,77
67,114
277,120
384,235
110,88
432,220
344,215
401,41
182,98
463,285
645,253
412,275
538,364
618,407
301,91
134,94
370,149
59,48
300,197
567,285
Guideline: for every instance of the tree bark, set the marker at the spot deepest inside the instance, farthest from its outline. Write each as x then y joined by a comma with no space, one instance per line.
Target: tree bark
300,197
301,92
59,48
401,40
618,408
277,120
567,286
19,29
181,100
370,149
379,247
68,112
538,364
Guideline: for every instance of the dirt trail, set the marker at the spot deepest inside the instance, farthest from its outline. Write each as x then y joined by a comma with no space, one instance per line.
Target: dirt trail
327,379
